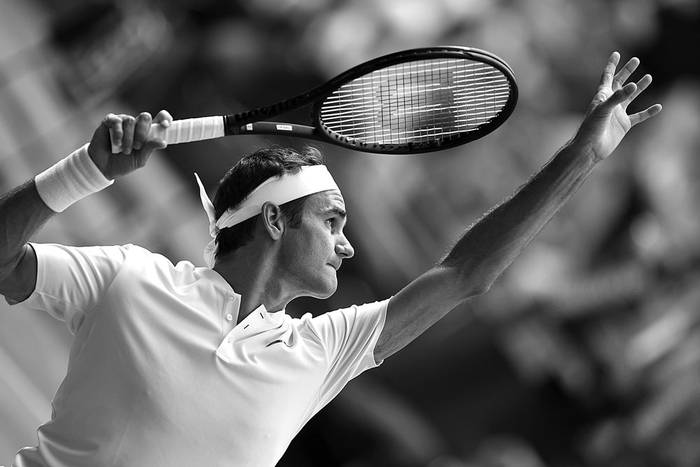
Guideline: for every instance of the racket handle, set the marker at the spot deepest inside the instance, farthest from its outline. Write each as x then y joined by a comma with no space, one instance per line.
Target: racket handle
190,129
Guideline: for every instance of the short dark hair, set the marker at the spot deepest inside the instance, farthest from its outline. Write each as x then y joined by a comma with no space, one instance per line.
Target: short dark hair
245,176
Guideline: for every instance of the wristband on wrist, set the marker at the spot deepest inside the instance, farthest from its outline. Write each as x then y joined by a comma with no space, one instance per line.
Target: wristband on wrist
70,180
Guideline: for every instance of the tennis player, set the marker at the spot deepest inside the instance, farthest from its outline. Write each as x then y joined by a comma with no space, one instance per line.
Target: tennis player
177,365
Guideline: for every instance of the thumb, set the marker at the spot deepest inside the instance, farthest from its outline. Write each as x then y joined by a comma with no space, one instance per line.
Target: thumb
142,156
153,144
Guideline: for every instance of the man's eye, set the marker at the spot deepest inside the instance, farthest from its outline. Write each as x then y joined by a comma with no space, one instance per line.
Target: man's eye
330,222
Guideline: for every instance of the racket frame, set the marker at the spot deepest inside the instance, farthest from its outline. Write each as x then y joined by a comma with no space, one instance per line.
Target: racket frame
253,121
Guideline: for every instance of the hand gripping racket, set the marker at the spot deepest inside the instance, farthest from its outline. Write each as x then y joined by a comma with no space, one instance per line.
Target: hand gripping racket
414,101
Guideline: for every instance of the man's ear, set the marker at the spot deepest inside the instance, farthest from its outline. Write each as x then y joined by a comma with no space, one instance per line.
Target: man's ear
273,220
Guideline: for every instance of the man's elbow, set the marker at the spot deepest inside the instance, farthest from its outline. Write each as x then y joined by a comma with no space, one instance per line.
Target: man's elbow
480,289
477,283
471,278
469,286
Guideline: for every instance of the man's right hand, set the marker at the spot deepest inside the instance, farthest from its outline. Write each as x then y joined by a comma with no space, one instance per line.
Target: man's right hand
128,135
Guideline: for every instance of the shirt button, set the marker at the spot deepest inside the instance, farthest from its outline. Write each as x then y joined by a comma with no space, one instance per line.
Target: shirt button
229,317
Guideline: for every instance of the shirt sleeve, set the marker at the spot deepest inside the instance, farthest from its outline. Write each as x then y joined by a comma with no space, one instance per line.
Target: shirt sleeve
71,280
349,337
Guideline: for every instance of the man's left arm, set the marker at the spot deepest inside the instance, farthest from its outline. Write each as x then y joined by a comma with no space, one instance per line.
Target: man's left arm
490,245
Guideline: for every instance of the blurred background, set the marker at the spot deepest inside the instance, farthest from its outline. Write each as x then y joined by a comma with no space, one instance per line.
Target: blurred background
585,353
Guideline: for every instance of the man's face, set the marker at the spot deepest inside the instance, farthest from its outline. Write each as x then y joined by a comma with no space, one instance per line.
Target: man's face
312,252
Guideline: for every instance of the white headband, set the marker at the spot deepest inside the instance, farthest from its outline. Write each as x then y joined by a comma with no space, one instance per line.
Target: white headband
278,190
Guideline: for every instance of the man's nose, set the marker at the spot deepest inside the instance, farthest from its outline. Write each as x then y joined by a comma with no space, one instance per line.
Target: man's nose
344,249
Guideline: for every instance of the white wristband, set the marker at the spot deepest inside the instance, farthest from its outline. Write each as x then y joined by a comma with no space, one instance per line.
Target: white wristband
70,180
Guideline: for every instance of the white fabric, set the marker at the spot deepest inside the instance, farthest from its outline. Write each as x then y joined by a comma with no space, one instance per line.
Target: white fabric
70,180
160,374
278,190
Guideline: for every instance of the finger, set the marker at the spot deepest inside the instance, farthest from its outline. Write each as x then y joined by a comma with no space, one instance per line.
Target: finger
619,96
152,142
114,125
642,84
622,76
645,114
164,118
141,130
609,70
128,124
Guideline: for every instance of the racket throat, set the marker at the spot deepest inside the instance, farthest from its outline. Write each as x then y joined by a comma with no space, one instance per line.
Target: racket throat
272,128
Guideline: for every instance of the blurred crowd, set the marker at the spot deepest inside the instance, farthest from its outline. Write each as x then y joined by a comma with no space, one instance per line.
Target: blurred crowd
584,354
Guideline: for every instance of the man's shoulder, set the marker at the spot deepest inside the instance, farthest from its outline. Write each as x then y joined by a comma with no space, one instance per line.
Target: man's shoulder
348,313
136,261
144,266
144,257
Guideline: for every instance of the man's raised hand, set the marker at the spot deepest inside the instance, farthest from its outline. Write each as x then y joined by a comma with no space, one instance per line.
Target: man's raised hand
607,121
122,143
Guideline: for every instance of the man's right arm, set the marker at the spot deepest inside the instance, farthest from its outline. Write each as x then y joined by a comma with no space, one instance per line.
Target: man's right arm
23,211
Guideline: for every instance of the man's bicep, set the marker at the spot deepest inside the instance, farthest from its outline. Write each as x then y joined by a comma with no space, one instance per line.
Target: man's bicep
418,306
20,283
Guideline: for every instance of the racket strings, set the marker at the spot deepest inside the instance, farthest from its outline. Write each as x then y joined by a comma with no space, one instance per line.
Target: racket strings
417,102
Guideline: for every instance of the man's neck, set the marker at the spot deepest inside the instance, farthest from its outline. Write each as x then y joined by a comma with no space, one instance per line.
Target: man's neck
251,272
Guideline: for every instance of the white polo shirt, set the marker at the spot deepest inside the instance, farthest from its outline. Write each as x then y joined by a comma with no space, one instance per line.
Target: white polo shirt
160,374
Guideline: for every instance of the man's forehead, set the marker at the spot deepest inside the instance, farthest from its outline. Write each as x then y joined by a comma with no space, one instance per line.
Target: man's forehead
328,199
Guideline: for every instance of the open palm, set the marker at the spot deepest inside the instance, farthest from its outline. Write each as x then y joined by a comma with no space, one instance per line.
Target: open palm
607,121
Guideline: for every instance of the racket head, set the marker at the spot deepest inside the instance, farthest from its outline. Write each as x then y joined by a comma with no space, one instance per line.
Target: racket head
417,101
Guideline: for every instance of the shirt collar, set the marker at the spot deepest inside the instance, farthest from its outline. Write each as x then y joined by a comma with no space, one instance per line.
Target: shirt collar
220,283
275,317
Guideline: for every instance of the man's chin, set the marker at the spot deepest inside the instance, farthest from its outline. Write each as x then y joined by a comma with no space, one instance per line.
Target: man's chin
326,290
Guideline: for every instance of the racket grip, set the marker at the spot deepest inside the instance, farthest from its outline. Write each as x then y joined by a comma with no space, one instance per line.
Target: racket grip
190,129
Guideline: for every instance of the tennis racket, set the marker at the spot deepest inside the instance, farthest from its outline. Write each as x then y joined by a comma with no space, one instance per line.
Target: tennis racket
408,102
